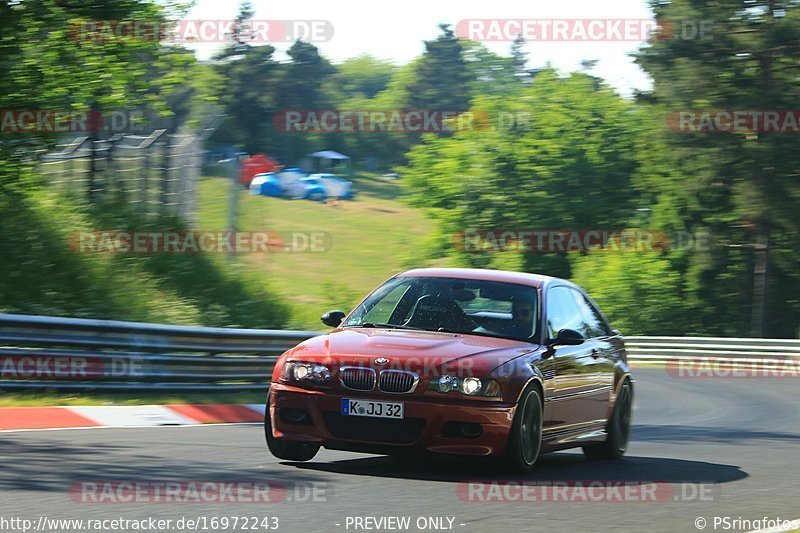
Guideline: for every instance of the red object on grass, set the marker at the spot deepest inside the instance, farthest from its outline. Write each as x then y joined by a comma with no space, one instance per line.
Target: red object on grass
257,164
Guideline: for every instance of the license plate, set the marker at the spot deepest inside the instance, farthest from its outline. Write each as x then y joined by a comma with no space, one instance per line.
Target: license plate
372,408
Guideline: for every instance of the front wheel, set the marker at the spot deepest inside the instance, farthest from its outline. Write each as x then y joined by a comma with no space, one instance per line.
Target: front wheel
619,428
525,439
287,450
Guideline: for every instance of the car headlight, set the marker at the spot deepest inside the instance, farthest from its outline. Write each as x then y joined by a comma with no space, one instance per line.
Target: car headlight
446,384
469,386
299,372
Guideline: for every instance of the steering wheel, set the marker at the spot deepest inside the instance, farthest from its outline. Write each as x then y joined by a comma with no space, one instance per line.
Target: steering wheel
439,312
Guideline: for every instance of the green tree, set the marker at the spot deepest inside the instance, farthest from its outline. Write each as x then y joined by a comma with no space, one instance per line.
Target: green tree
383,150
741,188
249,95
360,77
490,73
640,292
442,76
519,60
240,28
51,61
302,88
564,162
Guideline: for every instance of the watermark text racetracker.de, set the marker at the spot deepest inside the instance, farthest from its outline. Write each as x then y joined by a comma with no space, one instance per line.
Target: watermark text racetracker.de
198,491
740,121
252,31
193,242
549,241
583,30
583,491
34,365
382,121
714,367
29,121
378,120
151,524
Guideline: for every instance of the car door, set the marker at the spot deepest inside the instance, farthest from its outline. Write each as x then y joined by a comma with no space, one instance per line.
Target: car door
570,370
605,349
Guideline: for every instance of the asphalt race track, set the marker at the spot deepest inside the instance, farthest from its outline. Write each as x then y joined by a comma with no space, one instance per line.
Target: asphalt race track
734,440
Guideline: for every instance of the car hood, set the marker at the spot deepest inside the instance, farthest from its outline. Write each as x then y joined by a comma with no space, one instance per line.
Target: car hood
419,351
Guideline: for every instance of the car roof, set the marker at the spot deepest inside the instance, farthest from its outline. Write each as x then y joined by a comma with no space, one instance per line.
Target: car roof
507,276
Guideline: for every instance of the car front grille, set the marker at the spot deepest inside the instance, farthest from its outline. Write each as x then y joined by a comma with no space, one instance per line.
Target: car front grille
357,378
397,381
383,430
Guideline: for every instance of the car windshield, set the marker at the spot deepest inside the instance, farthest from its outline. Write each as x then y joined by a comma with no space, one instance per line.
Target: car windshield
478,307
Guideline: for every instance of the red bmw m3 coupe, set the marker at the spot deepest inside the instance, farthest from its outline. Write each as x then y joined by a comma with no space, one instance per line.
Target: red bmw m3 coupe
463,362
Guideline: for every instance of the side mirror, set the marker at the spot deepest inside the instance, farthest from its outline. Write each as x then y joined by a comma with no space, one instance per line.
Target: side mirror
333,318
567,337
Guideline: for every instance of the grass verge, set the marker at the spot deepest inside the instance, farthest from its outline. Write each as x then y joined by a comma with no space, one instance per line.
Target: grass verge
372,238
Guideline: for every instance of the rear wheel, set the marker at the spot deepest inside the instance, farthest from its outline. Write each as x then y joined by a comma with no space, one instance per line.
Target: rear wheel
619,428
287,450
525,439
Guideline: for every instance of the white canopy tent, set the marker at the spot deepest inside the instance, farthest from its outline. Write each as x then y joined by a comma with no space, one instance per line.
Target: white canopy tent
329,161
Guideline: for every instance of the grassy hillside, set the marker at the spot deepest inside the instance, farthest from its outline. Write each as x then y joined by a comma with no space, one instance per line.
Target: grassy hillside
40,274
373,237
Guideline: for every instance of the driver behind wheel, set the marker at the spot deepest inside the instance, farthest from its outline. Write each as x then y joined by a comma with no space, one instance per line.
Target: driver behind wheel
438,311
520,326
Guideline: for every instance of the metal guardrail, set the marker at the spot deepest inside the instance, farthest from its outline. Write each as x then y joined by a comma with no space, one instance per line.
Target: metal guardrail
71,353
721,352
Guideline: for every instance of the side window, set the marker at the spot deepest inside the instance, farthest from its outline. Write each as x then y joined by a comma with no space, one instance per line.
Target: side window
563,312
594,323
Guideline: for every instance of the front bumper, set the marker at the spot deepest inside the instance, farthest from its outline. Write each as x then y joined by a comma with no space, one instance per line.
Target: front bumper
425,426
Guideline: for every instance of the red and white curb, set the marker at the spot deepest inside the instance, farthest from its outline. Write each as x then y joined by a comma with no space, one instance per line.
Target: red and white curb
20,418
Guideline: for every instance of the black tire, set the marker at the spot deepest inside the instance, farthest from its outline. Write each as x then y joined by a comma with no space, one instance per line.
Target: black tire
287,450
525,438
619,428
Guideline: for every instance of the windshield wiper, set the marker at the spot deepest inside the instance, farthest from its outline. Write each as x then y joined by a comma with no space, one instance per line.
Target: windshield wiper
381,325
